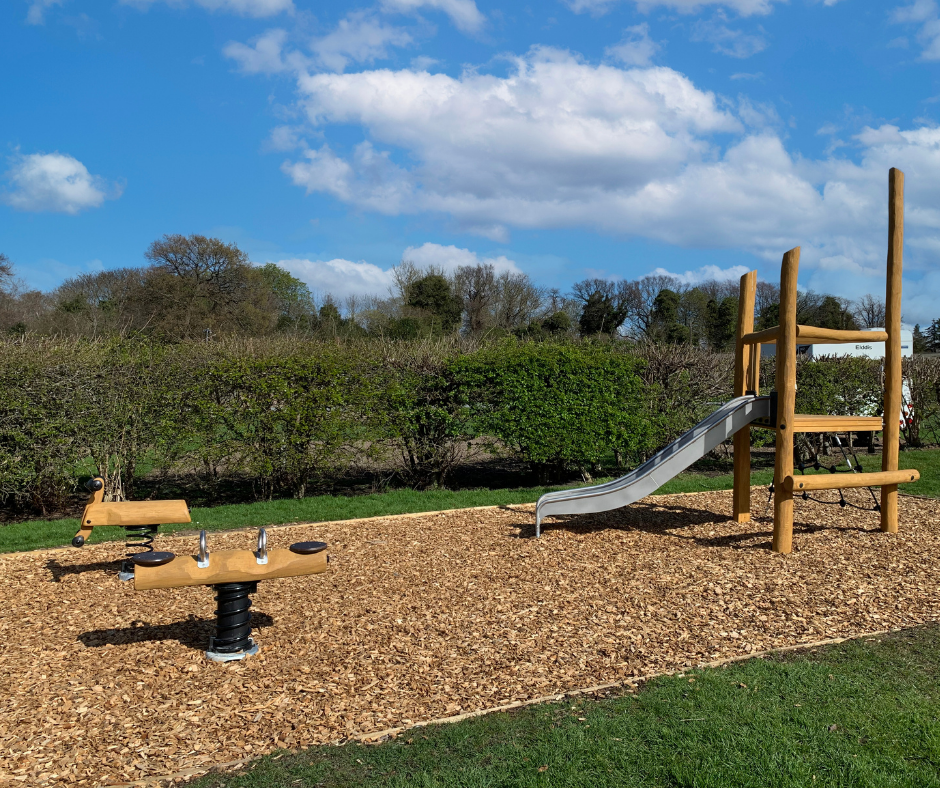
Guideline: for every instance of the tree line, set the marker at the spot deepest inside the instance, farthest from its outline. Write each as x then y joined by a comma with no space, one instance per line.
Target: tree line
194,287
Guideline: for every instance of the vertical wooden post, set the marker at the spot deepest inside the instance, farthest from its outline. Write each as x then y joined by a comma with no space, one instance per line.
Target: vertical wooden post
753,369
741,496
893,383
786,402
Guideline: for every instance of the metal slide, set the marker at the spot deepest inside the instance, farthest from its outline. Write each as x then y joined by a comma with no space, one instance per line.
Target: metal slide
659,468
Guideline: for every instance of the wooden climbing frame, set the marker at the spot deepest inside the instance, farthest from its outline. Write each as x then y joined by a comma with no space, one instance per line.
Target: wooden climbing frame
786,422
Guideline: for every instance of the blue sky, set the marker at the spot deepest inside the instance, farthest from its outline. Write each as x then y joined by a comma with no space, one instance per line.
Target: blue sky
567,138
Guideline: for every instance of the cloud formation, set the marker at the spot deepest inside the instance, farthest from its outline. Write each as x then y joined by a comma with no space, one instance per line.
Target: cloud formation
360,37
707,273
54,182
727,41
742,7
560,143
490,150
342,278
636,48
253,8
463,13
36,15
926,14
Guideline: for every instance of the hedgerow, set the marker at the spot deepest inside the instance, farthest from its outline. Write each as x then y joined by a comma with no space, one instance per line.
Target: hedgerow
287,414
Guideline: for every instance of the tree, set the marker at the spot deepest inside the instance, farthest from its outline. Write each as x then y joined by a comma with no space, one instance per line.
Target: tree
932,337
293,300
204,285
6,275
666,318
475,285
517,300
557,323
432,295
329,316
870,312
604,305
640,302
722,322
920,343
833,313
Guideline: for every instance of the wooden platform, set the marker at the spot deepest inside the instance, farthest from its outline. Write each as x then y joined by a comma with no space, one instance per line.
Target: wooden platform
803,422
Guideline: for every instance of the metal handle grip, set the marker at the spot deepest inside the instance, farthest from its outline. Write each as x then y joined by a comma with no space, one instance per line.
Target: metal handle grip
203,560
262,554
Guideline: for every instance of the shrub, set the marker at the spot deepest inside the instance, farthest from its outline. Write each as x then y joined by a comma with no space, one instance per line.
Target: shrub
420,414
284,417
557,406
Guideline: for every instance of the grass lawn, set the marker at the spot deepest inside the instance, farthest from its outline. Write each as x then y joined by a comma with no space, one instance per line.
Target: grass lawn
863,713
34,534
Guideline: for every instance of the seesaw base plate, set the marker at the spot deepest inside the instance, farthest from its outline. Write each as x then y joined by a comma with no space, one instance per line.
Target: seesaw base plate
216,656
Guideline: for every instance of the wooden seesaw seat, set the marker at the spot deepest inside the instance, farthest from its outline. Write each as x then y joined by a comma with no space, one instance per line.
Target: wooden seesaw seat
234,574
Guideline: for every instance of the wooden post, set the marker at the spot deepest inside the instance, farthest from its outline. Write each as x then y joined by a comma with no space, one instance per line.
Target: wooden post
741,496
786,402
893,383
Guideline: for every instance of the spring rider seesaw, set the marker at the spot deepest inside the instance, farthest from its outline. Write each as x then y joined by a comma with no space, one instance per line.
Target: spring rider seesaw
139,519
233,574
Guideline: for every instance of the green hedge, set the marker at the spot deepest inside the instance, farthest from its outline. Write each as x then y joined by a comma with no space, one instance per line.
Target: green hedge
288,414
559,406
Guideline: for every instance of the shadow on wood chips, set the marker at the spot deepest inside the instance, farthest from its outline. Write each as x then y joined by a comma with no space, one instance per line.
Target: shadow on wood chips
193,632
679,522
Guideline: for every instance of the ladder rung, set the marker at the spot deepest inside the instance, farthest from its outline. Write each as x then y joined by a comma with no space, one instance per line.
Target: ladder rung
833,481
811,335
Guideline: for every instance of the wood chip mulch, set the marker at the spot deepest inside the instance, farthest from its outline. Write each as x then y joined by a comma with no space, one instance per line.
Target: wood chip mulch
424,617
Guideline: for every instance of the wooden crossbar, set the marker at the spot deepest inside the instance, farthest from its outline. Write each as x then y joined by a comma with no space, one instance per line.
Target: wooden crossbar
809,422
810,335
832,481
227,566
766,337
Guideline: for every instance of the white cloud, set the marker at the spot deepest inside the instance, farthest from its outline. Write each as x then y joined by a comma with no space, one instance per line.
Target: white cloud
926,14
555,133
423,62
342,278
744,75
264,56
636,48
360,37
54,182
561,143
450,258
463,13
734,43
742,7
36,15
285,138
255,8
707,273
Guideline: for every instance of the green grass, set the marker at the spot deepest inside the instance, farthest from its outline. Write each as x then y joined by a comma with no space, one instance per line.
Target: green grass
35,534
863,713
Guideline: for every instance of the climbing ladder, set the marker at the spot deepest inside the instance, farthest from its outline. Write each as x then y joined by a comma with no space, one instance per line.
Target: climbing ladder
782,417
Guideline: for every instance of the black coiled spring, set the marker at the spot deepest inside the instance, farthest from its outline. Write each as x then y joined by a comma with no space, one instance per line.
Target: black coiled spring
140,540
232,618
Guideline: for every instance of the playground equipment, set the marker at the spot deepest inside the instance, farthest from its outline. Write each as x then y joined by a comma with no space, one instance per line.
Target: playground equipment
234,575
139,519
777,412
